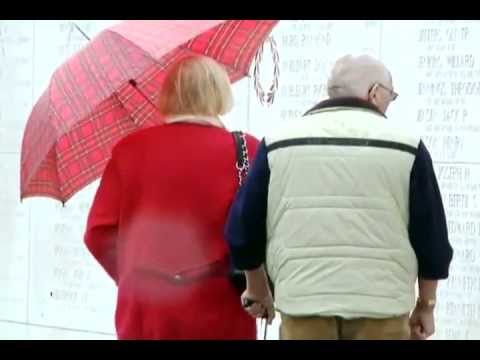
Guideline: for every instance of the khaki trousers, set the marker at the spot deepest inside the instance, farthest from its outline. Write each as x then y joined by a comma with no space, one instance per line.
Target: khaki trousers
336,328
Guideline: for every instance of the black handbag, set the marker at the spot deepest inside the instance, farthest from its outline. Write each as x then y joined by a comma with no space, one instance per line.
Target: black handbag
237,277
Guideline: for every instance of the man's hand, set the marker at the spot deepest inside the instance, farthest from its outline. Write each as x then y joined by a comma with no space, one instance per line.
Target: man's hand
259,305
422,323
257,298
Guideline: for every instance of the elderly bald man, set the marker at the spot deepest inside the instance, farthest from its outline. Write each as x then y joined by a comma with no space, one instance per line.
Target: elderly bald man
344,209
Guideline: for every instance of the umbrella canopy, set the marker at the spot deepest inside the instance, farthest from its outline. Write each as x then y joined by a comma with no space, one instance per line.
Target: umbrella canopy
107,91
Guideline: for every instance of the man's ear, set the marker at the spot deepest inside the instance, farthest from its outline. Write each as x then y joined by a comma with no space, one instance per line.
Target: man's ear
372,94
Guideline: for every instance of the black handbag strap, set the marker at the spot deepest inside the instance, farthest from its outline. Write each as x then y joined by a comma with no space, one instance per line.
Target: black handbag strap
243,166
242,163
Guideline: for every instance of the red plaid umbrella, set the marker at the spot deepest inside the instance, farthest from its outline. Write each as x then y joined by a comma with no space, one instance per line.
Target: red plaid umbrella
107,90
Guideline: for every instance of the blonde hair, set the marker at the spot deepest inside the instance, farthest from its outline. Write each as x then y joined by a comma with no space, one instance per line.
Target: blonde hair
354,76
196,85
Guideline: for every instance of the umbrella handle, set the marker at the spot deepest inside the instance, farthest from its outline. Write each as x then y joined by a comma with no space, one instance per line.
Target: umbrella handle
266,327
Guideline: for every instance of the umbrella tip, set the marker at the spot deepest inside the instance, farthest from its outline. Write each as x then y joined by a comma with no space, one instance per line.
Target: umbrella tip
132,82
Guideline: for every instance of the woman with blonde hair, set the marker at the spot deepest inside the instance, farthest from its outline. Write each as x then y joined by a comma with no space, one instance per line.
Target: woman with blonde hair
156,224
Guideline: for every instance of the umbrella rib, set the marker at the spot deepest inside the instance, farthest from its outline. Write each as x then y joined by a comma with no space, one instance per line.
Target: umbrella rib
245,44
147,54
132,44
27,180
228,36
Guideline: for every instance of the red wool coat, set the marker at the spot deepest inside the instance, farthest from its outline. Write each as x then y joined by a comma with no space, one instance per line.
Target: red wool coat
156,226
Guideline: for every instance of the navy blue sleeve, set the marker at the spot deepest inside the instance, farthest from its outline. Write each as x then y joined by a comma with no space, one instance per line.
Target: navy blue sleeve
245,231
427,224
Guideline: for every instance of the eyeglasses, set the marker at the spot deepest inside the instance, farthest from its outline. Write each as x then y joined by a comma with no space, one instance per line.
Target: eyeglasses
392,93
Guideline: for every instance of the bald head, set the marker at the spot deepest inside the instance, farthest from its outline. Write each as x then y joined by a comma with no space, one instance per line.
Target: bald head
354,76
362,77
